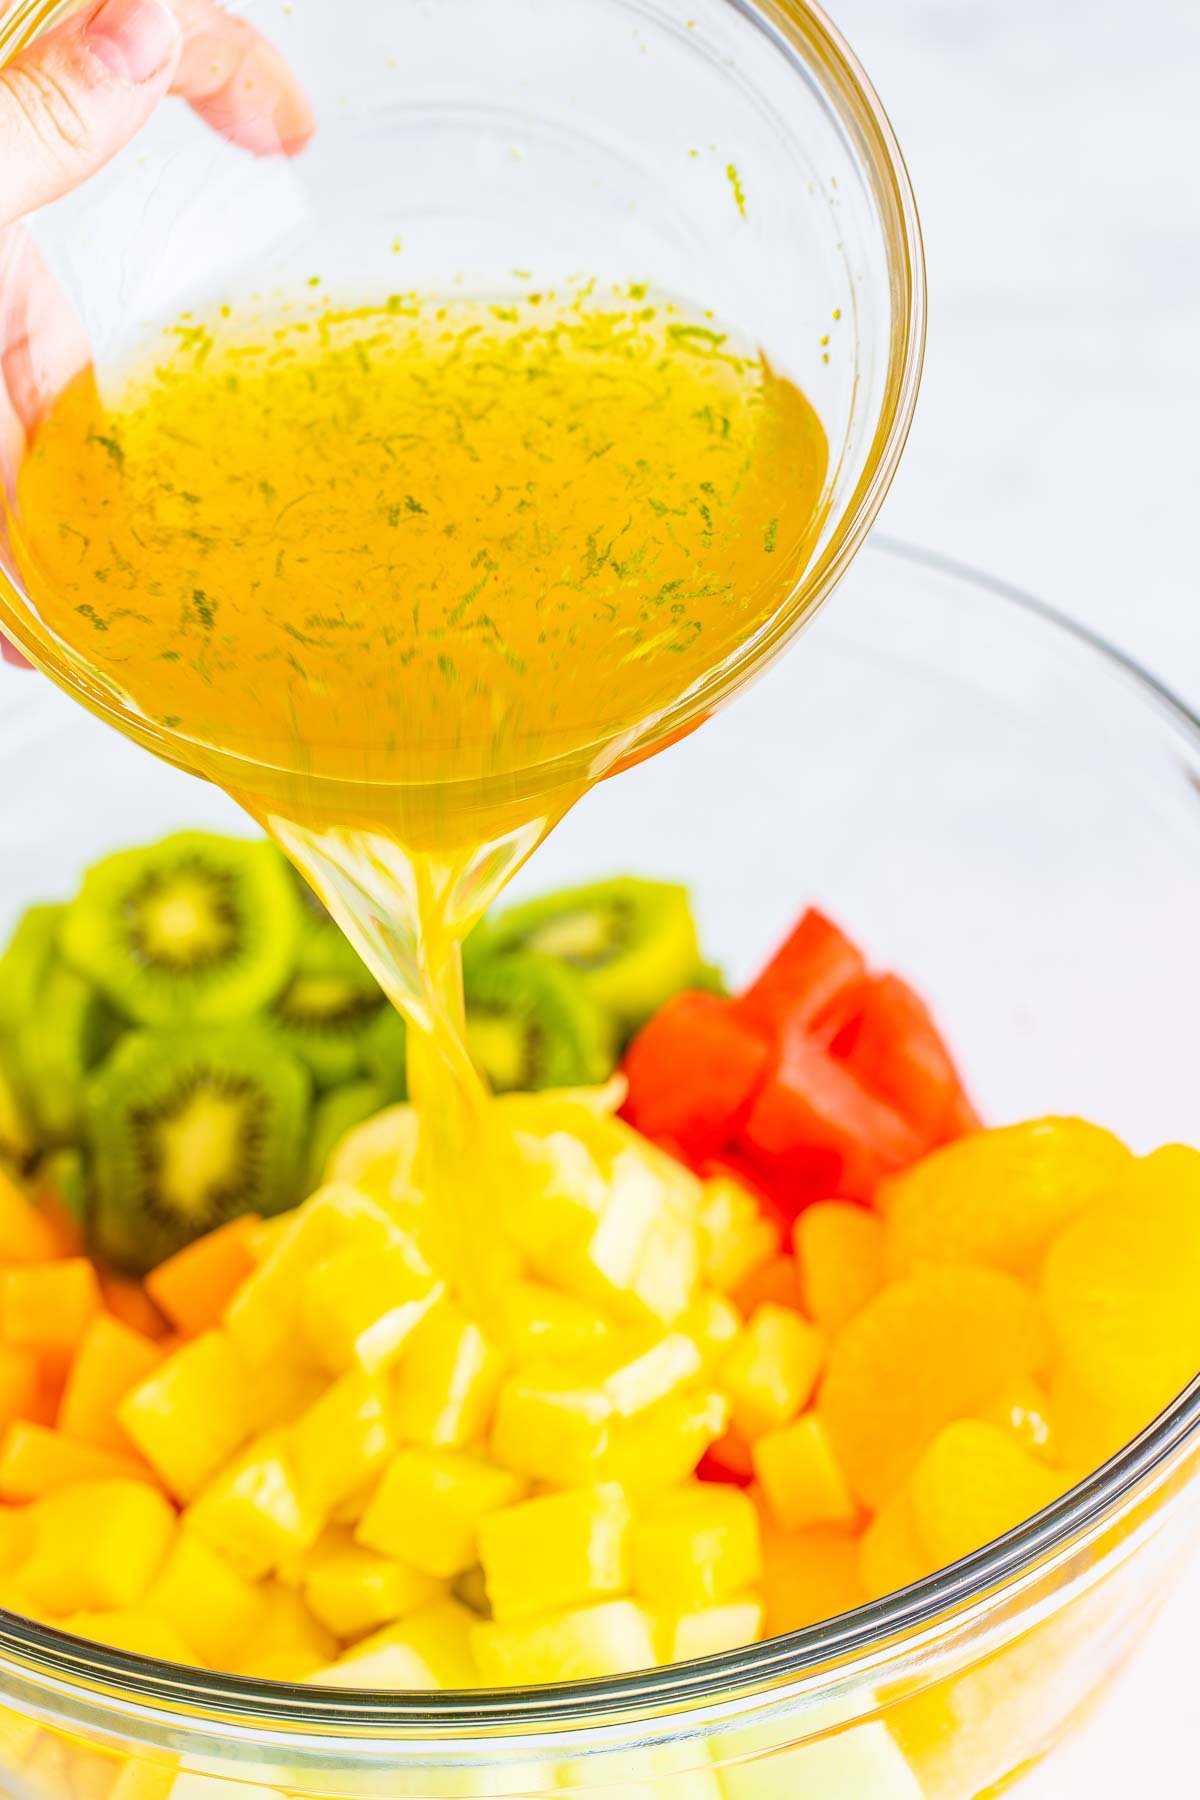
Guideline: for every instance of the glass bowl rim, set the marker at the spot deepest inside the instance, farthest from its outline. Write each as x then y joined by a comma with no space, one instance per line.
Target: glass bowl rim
227,1706
798,29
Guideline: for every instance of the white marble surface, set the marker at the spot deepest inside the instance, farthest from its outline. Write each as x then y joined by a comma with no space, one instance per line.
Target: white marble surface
1055,149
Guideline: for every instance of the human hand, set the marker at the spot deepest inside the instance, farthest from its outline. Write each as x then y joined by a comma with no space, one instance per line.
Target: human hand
68,103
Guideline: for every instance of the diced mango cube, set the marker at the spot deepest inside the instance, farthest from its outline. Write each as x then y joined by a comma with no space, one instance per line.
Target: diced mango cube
361,1305
537,1322
97,1545
430,1650
556,1551
111,1359
428,1507
138,1632
808,1575
712,1322
16,1536
974,1483
253,1512
444,1389
26,1234
686,1637
23,1395
197,1591
263,1316
842,1253
639,1367
36,1461
734,1234
191,1414
377,1158
288,1644
695,1547
586,1644
193,1287
352,1590
771,1371
280,1391
342,1440
659,1448
863,1762
800,1478
924,1352
551,1425
47,1307
995,1199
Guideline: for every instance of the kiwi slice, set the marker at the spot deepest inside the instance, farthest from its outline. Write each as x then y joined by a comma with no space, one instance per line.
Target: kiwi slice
65,1175
335,1114
17,1140
385,1055
324,1019
195,929
532,1023
187,1129
69,1030
26,962
631,942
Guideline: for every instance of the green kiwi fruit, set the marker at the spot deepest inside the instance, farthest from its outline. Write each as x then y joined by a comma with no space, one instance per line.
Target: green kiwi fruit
385,1055
17,1140
69,1030
196,929
65,1174
334,1115
532,1023
631,942
187,1129
324,1019
26,962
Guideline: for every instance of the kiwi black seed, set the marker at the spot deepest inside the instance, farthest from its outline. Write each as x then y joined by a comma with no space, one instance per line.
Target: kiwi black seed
632,943
187,1129
195,929
532,1023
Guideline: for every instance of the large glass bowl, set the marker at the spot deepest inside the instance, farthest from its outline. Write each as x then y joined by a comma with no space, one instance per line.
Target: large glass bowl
1008,813
728,152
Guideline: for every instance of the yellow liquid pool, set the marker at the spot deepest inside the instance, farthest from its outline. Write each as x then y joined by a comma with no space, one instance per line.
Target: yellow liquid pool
426,569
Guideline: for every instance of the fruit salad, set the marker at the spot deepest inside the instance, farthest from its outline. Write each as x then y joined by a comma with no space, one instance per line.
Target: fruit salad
763,1323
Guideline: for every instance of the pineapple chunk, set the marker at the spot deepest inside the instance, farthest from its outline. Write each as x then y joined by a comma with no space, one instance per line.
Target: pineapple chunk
445,1386
203,1597
129,1628
559,1550
96,1546
640,1370
341,1441
288,1642
353,1591
264,1317
800,1477
362,1304
641,1257
695,1547
772,1369
538,1322
551,1425
712,1322
685,1637
432,1649
559,1194
429,1505
253,1512
735,1237
377,1158
585,1644
864,1762
191,1414
660,1448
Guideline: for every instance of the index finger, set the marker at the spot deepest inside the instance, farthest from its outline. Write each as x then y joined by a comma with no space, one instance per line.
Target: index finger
238,82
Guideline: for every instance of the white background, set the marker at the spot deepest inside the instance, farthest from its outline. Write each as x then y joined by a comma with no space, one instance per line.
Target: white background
1055,150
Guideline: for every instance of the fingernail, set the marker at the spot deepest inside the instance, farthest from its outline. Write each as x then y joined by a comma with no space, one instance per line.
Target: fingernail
134,39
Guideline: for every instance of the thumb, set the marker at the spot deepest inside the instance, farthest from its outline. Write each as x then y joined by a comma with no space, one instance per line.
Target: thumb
71,100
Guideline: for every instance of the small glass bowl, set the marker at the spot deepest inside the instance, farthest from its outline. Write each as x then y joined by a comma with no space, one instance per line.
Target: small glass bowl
728,152
1004,810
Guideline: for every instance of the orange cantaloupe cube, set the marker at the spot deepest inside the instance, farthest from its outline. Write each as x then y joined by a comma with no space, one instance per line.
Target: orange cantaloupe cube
26,1234
35,1460
193,1287
110,1361
47,1307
